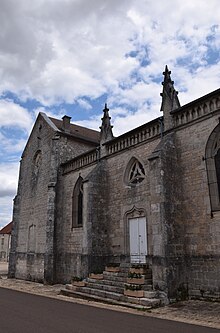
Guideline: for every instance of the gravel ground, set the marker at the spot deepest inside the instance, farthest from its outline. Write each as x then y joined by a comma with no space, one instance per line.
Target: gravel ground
193,312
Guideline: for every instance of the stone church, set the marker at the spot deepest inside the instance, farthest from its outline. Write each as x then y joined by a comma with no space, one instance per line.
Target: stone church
150,196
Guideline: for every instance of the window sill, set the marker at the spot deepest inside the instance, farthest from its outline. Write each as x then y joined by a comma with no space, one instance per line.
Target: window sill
77,227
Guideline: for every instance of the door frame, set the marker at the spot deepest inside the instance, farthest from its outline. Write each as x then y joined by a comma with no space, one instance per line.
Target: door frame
135,212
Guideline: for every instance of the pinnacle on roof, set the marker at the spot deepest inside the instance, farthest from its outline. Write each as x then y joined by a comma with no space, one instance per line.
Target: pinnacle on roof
106,127
170,99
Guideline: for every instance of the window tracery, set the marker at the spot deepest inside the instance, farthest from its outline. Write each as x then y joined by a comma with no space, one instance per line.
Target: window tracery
135,172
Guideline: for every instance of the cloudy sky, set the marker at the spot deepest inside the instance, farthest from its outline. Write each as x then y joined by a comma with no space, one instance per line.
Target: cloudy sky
71,56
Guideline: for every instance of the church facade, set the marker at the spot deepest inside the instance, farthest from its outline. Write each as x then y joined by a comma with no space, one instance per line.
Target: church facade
149,196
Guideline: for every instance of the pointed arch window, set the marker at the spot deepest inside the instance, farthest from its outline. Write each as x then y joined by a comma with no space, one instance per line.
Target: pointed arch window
135,172
77,204
37,162
36,167
213,168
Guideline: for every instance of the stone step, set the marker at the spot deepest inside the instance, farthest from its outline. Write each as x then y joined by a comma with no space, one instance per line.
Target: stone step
127,269
109,279
112,277
128,265
125,265
124,270
118,274
118,281
114,289
148,282
151,302
150,294
111,289
147,273
112,293
115,283
96,292
140,304
147,287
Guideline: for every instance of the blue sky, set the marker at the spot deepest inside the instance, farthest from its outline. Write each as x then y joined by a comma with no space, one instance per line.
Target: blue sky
71,56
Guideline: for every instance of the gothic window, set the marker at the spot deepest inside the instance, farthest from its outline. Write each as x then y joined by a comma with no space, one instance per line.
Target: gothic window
213,168
37,162
135,172
77,204
36,166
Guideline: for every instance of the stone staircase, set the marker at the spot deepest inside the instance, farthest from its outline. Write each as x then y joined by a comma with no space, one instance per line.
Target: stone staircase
110,289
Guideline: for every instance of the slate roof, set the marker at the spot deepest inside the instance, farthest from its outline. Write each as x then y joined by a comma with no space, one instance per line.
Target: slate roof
78,131
6,229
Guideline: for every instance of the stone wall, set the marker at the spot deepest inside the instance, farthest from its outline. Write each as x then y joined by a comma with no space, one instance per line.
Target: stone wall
30,209
71,243
123,197
195,243
107,200
182,230
32,251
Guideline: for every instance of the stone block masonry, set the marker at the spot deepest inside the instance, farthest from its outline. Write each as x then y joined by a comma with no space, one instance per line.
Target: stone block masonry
86,199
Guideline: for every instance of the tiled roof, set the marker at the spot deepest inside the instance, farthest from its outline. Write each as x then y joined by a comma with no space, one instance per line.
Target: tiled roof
78,131
6,229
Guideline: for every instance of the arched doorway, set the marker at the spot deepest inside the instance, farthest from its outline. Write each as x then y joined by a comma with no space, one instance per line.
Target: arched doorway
137,235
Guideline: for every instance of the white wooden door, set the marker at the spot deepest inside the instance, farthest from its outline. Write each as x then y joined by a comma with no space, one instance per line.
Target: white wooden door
138,240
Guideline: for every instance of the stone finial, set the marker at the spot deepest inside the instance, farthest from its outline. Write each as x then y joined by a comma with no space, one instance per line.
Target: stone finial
106,127
170,99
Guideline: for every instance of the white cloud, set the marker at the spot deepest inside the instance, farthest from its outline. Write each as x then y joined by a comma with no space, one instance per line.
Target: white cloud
68,48
8,178
6,204
124,124
50,112
11,146
84,104
93,122
13,115
59,51
124,120
8,181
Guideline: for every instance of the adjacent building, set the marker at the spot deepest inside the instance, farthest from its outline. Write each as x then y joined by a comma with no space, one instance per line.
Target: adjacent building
5,242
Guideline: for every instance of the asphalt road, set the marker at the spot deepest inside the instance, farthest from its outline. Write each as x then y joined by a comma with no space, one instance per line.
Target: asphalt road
25,313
